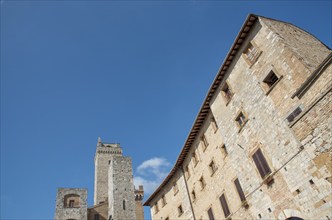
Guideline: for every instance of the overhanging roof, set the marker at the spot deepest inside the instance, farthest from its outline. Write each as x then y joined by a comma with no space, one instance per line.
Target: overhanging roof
205,108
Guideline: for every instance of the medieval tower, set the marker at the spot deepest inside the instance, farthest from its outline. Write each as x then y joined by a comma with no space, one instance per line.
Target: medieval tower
115,197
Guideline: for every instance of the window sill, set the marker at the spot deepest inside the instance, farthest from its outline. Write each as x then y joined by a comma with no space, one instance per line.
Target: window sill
268,179
245,204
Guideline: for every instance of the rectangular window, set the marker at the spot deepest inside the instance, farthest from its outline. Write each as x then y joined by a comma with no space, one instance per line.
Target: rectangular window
294,114
156,208
214,125
239,190
224,149
194,158
71,203
271,79
163,200
241,120
212,167
175,188
251,54
204,141
187,172
226,93
224,205
202,182
210,213
193,195
96,217
180,210
261,163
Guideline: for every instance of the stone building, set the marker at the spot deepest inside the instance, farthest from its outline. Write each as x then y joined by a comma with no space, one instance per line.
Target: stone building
260,146
115,197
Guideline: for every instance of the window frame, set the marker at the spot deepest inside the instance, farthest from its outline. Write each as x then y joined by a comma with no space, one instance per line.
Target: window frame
227,96
226,207
265,85
180,210
256,55
266,177
246,119
213,167
210,213
202,182
204,142
214,124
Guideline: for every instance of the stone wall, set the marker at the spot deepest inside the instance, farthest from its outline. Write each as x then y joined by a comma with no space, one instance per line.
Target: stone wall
64,209
298,155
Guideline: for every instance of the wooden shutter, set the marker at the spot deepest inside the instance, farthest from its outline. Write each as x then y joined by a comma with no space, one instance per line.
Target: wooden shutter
239,190
210,213
261,163
224,205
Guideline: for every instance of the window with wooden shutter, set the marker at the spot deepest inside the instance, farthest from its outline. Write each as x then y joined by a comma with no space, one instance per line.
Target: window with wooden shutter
261,163
239,190
224,205
210,213
251,53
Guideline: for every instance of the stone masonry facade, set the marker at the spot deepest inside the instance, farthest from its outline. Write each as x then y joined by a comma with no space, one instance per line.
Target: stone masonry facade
115,197
260,147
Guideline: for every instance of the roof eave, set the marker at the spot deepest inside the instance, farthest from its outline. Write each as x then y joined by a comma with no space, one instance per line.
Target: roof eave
205,108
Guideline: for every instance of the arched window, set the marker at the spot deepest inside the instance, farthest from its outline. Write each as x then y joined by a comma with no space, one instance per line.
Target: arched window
71,201
124,205
294,218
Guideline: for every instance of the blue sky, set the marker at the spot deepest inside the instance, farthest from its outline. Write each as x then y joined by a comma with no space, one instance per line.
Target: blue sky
133,72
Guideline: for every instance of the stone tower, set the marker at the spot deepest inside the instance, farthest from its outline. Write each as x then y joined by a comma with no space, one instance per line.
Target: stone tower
104,153
71,204
121,189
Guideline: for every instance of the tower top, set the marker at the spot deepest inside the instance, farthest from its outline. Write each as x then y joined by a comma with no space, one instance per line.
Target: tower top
108,148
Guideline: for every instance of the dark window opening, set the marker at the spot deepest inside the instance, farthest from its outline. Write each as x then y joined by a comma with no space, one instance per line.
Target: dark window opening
239,190
193,195
271,79
224,205
226,92
261,163
124,205
210,213
96,217
71,203
241,120
180,210
294,114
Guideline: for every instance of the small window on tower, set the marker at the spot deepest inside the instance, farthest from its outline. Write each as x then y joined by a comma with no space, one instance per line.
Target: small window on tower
214,124
204,141
193,195
226,93
202,182
270,81
241,120
251,53
124,205
71,203
212,167
180,210
291,117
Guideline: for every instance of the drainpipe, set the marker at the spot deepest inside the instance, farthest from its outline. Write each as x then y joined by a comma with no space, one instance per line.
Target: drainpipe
188,194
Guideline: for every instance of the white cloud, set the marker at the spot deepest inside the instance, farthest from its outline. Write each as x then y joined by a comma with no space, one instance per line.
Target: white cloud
150,173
